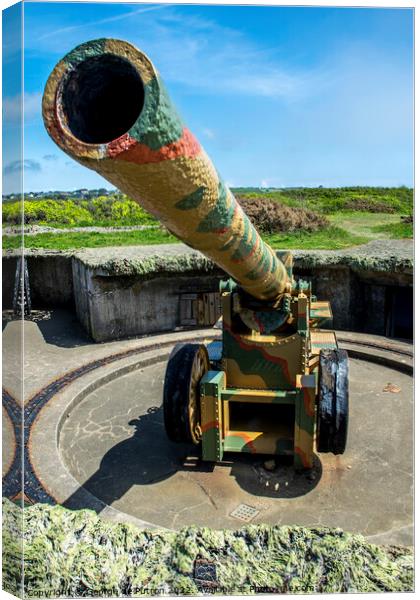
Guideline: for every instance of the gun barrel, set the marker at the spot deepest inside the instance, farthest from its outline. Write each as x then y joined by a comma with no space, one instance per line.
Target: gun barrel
105,105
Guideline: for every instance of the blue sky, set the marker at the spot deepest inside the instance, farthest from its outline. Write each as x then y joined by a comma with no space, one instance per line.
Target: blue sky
278,96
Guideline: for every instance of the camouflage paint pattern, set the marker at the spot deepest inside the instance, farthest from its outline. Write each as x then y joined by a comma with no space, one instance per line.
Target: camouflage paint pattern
159,163
261,361
258,361
320,314
305,425
256,370
320,310
322,339
211,386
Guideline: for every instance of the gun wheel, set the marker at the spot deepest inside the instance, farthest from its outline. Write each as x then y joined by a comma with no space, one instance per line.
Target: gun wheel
333,401
181,392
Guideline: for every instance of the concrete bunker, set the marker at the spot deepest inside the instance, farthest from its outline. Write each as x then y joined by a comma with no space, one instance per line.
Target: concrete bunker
135,291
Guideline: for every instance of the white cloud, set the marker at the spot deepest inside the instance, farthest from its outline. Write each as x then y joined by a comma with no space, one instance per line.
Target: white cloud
12,106
198,53
16,166
217,60
209,133
128,15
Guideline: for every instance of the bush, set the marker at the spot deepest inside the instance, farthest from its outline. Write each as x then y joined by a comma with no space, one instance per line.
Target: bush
330,200
46,212
104,210
368,205
270,216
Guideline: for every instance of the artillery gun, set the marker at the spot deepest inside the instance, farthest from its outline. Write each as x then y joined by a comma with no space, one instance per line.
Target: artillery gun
275,382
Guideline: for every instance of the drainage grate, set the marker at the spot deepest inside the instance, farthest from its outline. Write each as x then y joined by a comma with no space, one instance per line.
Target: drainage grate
244,512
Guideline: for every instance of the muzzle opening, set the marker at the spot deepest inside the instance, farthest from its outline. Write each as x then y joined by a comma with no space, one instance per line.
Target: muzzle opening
102,98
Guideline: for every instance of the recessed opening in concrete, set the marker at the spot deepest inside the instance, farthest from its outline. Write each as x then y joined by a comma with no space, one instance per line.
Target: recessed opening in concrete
102,98
399,312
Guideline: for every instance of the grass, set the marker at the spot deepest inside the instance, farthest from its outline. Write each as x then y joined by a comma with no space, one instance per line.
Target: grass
347,227
395,230
332,200
366,224
54,241
103,223
331,238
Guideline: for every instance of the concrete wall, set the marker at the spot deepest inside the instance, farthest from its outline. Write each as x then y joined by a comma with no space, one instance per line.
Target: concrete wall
50,280
125,300
111,307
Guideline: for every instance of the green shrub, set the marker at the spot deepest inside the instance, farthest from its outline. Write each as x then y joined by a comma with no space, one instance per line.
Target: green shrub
46,212
331,200
104,210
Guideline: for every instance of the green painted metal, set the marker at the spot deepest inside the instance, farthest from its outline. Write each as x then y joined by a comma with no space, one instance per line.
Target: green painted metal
264,396
211,415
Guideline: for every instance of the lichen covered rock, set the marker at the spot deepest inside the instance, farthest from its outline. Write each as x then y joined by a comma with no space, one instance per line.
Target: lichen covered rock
76,553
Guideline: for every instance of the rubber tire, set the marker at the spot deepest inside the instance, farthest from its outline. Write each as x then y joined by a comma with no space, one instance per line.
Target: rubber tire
333,401
176,390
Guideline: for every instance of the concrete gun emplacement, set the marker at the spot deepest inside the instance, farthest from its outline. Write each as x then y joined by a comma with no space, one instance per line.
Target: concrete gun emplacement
275,384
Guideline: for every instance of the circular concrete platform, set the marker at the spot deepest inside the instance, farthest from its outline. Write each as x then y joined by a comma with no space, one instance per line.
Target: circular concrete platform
99,443
114,444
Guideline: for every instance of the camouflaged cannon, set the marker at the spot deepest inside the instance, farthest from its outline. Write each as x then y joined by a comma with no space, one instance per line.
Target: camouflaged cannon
275,382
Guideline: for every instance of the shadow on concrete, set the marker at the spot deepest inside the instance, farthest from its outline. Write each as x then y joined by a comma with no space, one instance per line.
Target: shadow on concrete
60,327
281,481
149,457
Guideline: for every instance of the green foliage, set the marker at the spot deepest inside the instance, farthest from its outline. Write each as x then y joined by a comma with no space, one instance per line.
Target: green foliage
331,238
120,210
46,212
395,230
349,210
330,200
74,553
101,211
75,240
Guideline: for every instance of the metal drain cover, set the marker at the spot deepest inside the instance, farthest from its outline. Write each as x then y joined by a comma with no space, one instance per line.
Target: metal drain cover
244,512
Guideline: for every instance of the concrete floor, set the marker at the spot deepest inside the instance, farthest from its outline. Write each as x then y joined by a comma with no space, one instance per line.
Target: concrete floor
115,445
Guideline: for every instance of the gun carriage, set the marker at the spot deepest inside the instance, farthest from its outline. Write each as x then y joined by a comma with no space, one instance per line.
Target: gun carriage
275,383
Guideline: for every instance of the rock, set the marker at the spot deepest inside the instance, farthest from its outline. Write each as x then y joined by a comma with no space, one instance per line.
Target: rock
270,465
390,387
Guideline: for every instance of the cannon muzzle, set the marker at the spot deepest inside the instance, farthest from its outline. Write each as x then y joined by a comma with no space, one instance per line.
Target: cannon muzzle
105,105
